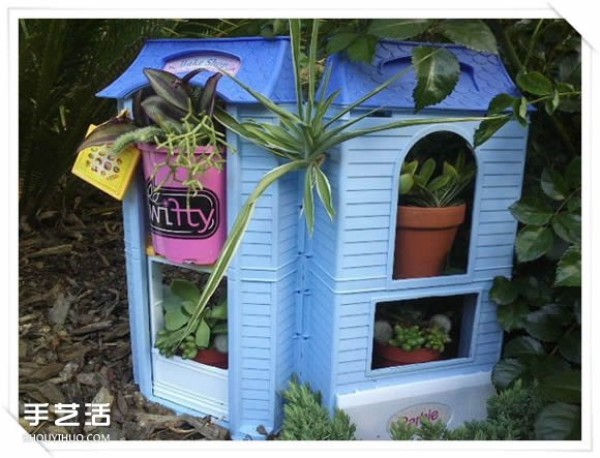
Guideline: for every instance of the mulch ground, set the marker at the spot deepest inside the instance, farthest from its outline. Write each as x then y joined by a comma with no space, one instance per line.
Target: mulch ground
74,328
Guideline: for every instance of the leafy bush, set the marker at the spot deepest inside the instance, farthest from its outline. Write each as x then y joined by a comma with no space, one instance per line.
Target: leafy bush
306,419
516,407
62,63
540,307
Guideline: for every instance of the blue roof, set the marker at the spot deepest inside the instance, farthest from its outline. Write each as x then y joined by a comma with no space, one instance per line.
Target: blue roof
483,76
264,64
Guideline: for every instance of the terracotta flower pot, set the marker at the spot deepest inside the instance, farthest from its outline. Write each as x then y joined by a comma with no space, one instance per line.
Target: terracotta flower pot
424,238
389,356
212,357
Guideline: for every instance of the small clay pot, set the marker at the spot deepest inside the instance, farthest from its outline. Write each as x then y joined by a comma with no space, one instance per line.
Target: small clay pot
424,238
389,356
212,357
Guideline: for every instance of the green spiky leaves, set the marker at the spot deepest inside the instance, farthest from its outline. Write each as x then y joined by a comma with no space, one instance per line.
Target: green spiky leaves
303,137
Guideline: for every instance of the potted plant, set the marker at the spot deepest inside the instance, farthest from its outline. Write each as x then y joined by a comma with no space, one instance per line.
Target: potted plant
183,157
209,343
430,211
411,343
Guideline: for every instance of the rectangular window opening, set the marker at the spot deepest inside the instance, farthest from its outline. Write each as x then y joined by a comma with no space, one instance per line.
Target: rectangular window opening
422,331
175,291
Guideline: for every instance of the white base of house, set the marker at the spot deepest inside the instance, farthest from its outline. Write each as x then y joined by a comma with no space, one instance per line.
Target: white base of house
191,384
453,400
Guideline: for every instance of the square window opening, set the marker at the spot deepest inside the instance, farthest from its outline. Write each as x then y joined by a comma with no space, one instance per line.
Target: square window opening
424,330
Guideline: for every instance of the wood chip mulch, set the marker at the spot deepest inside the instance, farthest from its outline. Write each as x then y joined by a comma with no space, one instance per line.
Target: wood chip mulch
74,328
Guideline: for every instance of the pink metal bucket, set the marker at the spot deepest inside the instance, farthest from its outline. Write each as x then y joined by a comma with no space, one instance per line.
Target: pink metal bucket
182,232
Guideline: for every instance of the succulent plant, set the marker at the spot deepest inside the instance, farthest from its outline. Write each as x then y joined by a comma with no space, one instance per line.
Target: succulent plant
441,321
383,331
178,307
420,186
221,343
412,337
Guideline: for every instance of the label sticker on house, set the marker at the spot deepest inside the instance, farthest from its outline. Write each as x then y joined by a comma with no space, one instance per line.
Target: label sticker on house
212,61
174,214
432,411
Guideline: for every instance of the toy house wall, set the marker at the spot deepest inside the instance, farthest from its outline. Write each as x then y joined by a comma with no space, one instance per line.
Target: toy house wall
352,257
262,287
263,290
306,305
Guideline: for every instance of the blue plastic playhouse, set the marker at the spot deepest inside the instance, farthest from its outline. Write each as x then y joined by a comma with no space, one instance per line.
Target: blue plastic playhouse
307,305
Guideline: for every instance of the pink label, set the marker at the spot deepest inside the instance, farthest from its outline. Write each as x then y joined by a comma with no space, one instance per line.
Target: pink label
432,411
213,62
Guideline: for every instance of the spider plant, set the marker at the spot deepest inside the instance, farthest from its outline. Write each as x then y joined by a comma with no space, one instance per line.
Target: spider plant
302,139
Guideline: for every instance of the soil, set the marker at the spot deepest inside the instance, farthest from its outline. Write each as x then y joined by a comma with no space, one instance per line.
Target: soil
74,329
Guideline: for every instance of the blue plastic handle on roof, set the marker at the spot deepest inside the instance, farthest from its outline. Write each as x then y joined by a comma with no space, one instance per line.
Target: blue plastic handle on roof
264,64
482,76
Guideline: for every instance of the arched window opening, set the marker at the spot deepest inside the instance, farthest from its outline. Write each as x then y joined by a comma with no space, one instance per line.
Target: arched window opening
435,206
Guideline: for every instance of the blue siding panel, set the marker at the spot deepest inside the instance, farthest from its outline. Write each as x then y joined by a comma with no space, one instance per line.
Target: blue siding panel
363,236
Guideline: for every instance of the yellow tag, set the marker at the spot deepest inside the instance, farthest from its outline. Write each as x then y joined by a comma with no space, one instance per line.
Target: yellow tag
106,171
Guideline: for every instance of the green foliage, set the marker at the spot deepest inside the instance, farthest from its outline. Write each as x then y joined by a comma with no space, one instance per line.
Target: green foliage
427,430
422,186
533,242
535,83
62,63
403,431
552,215
540,307
512,415
413,337
399,29
518,407
545,329
523,346
559,421
436,76
483,430
489,127
178,306
304,418
546,348
472,33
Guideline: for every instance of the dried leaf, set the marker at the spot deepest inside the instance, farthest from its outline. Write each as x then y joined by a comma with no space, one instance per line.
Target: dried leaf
89,379
41,372
51,393
60,309
53,251
93,327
